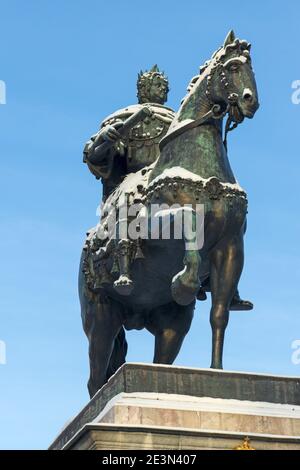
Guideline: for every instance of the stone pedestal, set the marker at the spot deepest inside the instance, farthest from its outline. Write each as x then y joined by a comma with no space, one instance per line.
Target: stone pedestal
167,407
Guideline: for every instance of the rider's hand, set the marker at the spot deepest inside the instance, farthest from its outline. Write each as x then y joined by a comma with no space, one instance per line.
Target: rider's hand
110,132
150,110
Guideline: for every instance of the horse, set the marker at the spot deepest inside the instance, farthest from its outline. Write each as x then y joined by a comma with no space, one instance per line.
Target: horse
161,281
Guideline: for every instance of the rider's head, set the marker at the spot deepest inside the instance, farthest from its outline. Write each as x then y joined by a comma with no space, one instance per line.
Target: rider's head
153,86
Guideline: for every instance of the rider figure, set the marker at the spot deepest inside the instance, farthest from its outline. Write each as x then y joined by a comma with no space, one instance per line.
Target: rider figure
140,147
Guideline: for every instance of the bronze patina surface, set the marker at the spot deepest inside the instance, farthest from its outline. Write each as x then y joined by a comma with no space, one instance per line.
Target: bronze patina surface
148,154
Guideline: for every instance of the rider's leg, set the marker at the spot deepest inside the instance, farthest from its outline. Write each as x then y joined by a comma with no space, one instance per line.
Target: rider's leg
186,283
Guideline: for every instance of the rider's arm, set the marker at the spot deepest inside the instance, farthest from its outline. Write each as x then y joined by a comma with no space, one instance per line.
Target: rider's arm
107,133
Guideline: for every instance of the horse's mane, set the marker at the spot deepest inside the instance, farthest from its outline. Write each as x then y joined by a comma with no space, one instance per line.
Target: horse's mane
220,55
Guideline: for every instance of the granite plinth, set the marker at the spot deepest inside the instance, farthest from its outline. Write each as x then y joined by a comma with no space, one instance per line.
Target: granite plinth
166,407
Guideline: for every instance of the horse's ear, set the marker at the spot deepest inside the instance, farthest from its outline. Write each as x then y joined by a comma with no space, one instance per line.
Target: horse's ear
229,38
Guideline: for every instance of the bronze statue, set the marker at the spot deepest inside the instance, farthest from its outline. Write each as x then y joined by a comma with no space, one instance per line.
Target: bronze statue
151,282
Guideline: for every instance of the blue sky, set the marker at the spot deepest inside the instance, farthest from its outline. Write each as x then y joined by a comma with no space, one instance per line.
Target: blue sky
68,64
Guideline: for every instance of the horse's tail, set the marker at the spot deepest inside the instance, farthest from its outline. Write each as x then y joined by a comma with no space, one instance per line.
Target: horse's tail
118,355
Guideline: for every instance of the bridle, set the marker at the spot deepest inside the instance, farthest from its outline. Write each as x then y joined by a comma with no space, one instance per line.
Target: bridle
215,111
232,99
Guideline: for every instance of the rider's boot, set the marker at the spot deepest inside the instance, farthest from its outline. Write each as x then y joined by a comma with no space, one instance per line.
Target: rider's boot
124,284
237,303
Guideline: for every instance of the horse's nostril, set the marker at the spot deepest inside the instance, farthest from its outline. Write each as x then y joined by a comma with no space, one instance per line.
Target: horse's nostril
248,96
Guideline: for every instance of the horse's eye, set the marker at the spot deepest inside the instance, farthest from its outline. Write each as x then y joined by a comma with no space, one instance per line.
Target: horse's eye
234,67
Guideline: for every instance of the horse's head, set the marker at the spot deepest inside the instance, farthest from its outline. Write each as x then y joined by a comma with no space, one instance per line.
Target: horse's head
230,81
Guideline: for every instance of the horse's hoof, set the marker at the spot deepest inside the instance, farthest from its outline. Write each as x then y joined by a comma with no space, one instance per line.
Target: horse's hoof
217,366
123,285
182,294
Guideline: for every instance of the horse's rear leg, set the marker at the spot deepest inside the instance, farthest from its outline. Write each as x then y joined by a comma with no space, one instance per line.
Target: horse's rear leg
226,266
103,323
169,324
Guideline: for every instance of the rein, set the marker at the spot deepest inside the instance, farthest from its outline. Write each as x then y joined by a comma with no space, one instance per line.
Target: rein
213,113
232,99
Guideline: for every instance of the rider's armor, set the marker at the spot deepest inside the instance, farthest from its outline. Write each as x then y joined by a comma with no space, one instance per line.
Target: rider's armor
135,151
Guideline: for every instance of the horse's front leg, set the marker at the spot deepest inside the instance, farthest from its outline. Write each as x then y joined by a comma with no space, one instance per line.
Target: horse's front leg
226,266
186,283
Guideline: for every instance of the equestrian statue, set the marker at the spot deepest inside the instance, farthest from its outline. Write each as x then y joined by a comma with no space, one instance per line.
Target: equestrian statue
149,156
